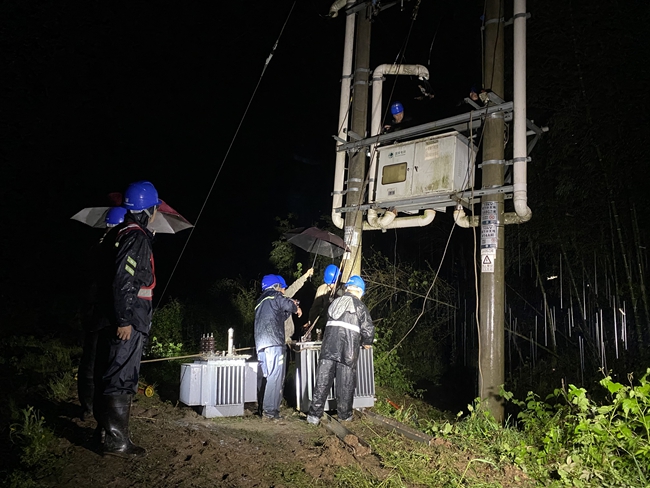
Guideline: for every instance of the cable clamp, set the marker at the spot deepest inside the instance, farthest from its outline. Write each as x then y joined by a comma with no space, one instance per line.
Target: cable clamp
522,159
355,180
494,21
492,161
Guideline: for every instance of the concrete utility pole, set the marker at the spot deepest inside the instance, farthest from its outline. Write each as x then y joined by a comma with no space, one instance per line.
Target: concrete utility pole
492,289
357,165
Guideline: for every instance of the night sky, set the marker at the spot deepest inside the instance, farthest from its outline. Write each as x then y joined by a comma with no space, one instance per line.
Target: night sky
96,95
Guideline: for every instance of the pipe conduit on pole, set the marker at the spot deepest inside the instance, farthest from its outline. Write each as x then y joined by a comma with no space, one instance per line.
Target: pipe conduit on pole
520,156
344,120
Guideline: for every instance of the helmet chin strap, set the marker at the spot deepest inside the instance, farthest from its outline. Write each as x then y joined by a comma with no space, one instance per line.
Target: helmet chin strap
142,217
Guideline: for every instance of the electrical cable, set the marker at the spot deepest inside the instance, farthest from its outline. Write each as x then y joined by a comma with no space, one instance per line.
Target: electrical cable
496,43
442,259
232,141
432,42
400,57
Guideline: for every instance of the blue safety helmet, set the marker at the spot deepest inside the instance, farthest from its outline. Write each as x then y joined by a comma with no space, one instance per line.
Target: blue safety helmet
114,216
396,108
357,282
141,195
281,281
331,274
268,281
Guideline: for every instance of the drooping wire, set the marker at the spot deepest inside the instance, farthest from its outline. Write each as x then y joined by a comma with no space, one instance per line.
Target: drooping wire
435,34
496,43
472,158
398,60
232,141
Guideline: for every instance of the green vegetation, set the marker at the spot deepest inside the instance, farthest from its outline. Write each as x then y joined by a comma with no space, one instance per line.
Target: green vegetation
167,327
60,386
585,443
35,444
567,440
570,438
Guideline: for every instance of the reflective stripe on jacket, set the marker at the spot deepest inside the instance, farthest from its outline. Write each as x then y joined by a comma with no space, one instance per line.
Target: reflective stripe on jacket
348,327
135,277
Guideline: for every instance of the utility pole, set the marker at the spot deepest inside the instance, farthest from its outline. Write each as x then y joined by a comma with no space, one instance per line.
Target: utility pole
492,289
357,166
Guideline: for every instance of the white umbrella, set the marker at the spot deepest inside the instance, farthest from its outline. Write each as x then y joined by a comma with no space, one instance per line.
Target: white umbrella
168,220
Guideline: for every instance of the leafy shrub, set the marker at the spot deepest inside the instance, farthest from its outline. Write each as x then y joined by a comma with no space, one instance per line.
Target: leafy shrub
158,349
32,437
236,302
584,443
59,386
167,323
283,253
412,317
389,371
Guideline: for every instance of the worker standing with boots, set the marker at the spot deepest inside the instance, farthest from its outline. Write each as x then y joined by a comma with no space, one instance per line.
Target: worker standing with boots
119,346
348,329
99,306
271,311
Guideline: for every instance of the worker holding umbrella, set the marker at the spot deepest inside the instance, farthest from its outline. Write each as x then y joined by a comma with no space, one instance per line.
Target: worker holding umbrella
120,341
317,241
98,306
125,290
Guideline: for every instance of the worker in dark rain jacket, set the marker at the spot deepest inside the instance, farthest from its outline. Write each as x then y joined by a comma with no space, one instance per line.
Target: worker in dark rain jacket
99,306
325,294
349,327
119,345
271,311
399,119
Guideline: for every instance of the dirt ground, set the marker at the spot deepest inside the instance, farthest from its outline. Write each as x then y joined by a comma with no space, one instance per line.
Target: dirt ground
188,450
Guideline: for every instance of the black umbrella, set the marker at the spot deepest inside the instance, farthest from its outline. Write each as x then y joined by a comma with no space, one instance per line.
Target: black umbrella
318,241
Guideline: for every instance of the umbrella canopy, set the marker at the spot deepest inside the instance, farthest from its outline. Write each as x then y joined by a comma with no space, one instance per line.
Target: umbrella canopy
317,241
168,220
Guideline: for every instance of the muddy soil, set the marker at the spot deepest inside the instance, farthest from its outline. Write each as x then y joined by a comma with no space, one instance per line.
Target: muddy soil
188,450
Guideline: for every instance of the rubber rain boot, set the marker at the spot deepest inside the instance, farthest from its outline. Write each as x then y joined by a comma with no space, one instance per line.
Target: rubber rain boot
117,441
86,391
99,412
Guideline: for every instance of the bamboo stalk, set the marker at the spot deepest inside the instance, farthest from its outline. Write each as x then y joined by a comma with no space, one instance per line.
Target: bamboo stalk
628,272
547,310
571,277
639,259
